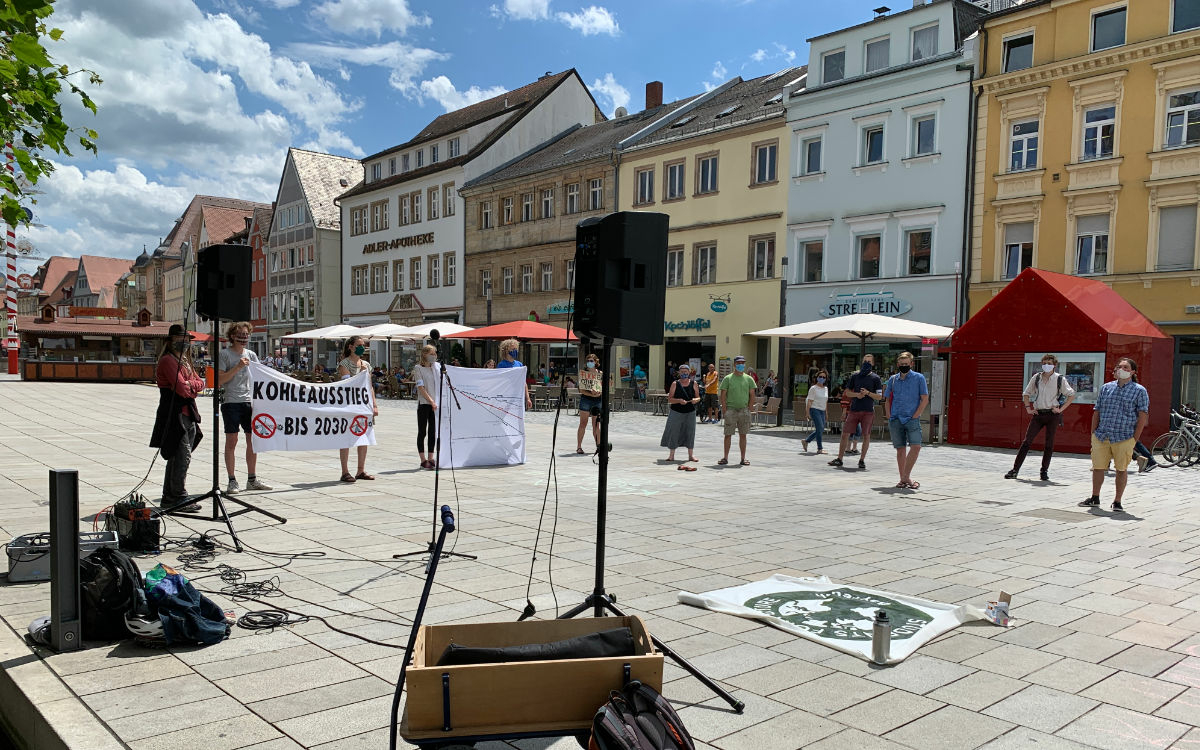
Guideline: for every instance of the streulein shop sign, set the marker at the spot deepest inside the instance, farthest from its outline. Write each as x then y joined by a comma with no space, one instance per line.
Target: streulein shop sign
410,241
884,303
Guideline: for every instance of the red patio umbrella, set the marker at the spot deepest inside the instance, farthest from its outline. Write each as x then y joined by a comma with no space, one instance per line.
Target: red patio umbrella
527,331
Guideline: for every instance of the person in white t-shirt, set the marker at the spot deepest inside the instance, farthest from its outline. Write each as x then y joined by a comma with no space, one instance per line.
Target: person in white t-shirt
817,402
425,379
236,403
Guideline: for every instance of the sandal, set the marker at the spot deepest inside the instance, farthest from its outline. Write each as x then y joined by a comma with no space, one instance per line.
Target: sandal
902,485
745,462
723,461
347,478
363,475
687,468
914,485
580,451
681,467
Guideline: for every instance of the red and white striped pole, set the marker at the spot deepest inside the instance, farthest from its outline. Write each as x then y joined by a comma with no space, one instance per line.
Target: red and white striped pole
10,286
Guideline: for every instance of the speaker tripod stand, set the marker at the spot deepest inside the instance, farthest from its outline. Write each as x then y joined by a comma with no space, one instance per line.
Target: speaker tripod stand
600,601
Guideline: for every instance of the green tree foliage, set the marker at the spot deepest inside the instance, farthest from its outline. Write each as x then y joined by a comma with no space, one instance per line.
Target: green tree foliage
30,113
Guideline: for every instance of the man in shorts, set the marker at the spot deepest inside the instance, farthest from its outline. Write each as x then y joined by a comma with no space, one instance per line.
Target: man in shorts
1122,410
864,388
737,388
904,398
712,396
236,408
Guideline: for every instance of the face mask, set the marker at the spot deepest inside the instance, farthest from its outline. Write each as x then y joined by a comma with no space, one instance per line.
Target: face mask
821,380
1047,368
431,358
513,353
1124,374
360,349
904,368
684,375
241,340
866,366
740,368
590,365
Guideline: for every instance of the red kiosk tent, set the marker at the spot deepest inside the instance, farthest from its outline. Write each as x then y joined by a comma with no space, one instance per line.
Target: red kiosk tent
1085,324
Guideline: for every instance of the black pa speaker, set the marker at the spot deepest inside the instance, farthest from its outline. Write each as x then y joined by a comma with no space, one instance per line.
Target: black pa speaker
620,277
223,273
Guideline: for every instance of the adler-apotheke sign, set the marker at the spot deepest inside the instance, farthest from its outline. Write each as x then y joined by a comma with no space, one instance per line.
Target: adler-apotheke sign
410,241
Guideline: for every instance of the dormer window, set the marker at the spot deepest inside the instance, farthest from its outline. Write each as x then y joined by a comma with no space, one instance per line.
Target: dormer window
878,54
833,66
924,42
728,111
376,171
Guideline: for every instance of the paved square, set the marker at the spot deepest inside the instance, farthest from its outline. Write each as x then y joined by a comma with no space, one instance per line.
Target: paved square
1104,651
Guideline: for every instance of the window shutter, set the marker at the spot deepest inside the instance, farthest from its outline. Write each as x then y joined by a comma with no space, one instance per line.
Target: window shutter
1017,233
1176,238
1095,224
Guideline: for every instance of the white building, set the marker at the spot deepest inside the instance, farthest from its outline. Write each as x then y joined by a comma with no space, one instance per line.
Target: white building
402,244
878,201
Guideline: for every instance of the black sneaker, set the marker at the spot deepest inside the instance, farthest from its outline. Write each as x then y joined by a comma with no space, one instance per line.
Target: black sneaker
1118,508
1151,467
836,462
862,464
1044,476
1011,475
1091,502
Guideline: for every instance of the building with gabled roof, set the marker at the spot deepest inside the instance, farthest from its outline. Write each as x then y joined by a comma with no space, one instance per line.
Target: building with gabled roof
52,282
403,248
96,279
259,237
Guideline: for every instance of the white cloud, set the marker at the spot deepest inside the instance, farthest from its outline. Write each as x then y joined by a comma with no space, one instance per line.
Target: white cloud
527,10
441,90
353,16
788,55
608,88
718,76
759,55
405,62
591,20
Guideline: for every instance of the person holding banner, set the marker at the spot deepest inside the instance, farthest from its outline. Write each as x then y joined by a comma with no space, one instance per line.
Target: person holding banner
177,423
425,380
508,352
590,380
352,363
236,409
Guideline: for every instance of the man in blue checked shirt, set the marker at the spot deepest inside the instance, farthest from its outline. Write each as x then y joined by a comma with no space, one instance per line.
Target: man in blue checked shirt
904,398
1122,410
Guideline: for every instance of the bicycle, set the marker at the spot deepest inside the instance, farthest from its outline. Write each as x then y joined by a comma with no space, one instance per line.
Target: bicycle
1181,446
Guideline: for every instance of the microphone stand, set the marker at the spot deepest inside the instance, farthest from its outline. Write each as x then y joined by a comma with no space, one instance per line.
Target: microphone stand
433,549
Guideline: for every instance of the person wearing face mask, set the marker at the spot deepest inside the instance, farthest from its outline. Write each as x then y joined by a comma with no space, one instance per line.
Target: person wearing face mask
1122,410
425,380
712,400
591,378
736,390
509,351
1046,397
236,406
904,398
817,402
680,431
864,388
353,363
177,423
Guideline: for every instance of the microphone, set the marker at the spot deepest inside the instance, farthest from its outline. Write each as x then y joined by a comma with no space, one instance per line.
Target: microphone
434,335
447,518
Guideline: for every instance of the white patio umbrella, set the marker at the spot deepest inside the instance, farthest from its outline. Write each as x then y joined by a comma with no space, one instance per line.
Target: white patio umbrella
443,329
339,331
384,331
861,326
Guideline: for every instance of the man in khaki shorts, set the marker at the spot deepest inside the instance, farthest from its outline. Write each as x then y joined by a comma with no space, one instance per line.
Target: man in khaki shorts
736,389
1122,410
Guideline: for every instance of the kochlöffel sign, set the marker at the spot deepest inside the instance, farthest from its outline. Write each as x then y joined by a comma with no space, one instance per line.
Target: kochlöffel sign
836,614
290,415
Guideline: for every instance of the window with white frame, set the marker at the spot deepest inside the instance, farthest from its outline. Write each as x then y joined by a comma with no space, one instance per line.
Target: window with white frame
414,273
762,258
1176,238
527,207
416,207
379,278
1018,53
453,148
1099,128
920,251
924,132
379,216
405,210
810,155
1183,119
404,163
506,280
1091,244
1185,14
358,285
450,269
547,277
812,260
433,154
1018,248
1023,146
706,174
435,271
872,144
764,162
573,198
704,264
485,282
376,171
507,213
868,256
596,194
359,224
435,202
571,274
392,166
485,215
1108,29
833,66
645,186
254,308
924,42
420,154
675,266
674,189
398,275
548,203
878,54
527,278
312,303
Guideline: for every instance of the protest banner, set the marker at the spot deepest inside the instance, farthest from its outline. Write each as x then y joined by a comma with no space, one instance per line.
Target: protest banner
291,415
489,429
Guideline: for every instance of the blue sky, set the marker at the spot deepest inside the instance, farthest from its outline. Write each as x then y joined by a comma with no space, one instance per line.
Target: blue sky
205,96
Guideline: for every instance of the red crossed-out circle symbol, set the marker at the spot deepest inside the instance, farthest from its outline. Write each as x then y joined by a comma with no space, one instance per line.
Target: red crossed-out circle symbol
264,426
358,425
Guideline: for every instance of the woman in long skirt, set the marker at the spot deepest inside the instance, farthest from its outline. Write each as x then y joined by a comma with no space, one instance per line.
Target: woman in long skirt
681,419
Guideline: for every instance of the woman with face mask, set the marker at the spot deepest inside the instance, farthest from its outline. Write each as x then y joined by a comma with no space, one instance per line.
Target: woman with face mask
680,431
426,377
816,402
353,363
590,380
177,424
509,351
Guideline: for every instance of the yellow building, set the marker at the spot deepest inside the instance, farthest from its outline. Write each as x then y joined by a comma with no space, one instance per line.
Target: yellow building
719,169
1087,157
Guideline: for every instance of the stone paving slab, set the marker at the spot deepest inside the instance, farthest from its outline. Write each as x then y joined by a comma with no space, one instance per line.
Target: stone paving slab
1104,651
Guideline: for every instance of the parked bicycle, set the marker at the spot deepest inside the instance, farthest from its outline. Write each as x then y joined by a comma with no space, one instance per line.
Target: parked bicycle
1180,446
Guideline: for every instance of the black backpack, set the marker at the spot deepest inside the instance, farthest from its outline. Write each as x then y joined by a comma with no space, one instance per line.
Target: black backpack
637,718
110,586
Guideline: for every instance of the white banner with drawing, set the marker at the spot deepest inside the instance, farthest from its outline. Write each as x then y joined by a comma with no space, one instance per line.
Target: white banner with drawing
291,415
486,425
838,615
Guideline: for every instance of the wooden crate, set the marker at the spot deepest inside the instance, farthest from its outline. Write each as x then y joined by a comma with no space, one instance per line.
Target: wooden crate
518,697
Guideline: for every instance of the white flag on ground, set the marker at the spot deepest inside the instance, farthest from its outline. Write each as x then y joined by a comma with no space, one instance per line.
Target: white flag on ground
838,615
290,415
489,429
